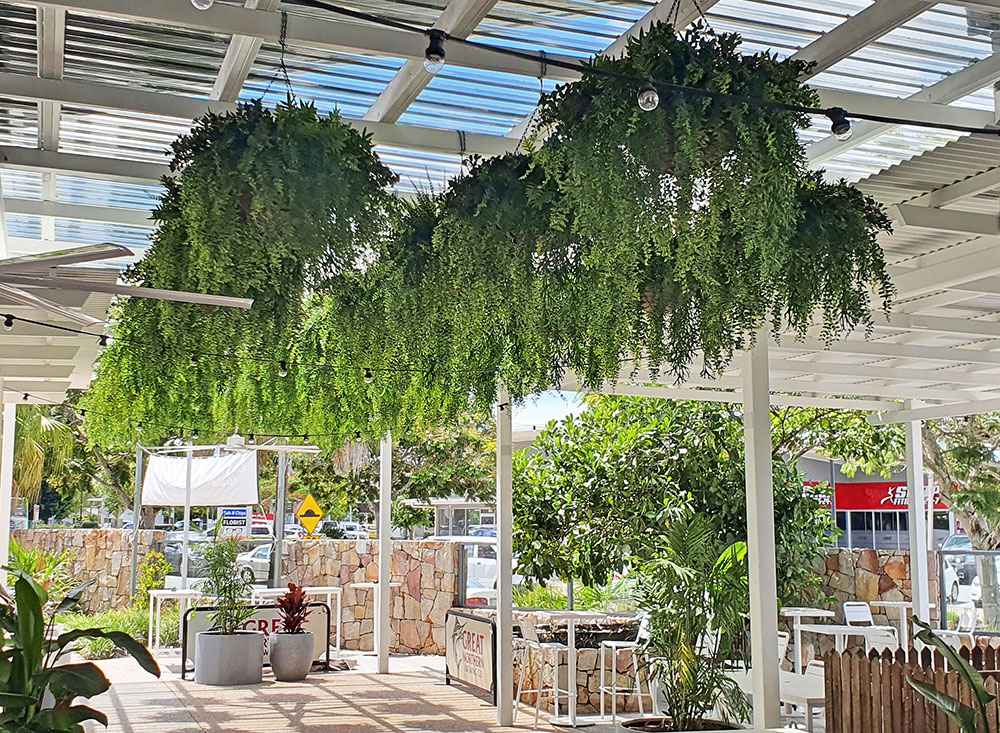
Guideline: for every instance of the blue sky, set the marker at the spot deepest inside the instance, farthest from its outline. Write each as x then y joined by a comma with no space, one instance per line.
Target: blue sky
539,410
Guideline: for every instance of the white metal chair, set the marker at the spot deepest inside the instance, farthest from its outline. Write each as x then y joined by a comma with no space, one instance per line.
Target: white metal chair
858,613
881,639
612,646
964,634
783,639
531,642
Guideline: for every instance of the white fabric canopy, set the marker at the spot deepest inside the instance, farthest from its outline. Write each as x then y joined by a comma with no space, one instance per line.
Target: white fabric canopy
229,479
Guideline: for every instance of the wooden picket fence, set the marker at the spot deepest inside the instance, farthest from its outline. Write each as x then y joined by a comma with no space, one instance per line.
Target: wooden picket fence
871,694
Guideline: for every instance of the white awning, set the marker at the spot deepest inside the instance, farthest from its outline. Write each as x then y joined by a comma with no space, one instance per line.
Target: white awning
229,479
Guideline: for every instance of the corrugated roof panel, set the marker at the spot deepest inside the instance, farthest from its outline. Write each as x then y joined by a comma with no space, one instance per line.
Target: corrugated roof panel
90,232
424,172
22,184
142,55
18,45
18,123
19,225
343,82
102,192
127,135
485,102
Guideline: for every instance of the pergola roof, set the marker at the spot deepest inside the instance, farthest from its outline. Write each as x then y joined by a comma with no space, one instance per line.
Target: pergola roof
93,91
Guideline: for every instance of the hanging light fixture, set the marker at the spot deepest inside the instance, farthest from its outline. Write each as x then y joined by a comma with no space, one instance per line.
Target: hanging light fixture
434,55
282,368
202,4
840,126
8,321
369,376
648,97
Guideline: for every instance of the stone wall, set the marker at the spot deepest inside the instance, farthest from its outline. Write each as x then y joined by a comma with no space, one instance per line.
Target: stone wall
103,556
427,573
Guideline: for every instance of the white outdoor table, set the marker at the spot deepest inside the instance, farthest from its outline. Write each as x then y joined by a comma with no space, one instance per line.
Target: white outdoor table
156,599
376,606
329,591
261,595
570,617
798,613
807,691
904,637
840,632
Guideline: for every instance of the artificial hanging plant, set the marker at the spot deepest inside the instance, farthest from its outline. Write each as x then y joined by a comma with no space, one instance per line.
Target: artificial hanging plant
265,204
697,209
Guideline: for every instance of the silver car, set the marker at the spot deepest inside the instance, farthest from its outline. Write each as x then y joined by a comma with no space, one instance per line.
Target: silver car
255,565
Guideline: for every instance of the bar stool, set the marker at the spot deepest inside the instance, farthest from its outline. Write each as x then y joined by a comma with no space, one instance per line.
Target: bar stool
614,646
523,656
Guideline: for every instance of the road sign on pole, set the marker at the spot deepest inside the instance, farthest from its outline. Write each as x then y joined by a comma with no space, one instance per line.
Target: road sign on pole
309,514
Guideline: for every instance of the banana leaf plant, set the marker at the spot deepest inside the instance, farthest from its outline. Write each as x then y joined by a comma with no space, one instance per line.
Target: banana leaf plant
968,719
37,690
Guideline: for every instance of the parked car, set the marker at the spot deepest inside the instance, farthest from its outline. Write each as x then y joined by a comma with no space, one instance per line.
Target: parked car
349,530
173,552
976,592
255,565
951,583
964,565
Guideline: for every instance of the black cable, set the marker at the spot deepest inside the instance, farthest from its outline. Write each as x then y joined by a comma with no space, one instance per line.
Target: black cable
580,68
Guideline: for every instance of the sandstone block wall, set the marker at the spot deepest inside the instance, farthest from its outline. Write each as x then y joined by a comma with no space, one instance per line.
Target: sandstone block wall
427,573
100,555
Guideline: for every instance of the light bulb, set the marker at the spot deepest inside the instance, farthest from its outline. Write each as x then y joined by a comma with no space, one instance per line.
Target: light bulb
282,368
840,126
434,55
648,98
202,4
138,428
195,435
8,322
369,376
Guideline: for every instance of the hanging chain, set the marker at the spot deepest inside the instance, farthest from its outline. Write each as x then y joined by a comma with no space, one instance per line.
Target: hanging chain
282,69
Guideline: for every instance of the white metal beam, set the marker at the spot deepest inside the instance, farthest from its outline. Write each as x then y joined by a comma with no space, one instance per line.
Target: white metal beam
849,389
384,588
876,349
938,324
736,396
858,31
919,579
333,33
6,483
966,188
928,112
83,212
50,24
951,273
866,371
458,19
933,412
760,537
960,84
21,86
91,166
505,562
945,220
239,58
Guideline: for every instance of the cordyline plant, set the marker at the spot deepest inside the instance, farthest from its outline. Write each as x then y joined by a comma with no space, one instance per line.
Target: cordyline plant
293,609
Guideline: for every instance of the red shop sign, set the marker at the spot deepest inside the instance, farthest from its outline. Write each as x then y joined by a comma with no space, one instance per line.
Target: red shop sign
877,496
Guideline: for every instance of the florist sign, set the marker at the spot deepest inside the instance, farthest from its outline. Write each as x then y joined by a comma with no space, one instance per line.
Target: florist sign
469,652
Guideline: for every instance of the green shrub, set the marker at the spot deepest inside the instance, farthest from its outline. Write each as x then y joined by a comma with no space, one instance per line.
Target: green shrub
152,576
133,620
49,570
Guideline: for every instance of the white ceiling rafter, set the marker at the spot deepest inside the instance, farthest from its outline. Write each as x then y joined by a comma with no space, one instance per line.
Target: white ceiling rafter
91,166
954,192
459,19
932,412
239,59
952,273
951,88
945,220
108,96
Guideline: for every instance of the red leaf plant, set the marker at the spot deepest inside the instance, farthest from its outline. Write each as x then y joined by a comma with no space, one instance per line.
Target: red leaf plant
292,609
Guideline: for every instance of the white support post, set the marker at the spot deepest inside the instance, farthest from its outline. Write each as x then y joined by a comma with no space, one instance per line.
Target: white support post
505,563
383,606
760,537
187,519
918,520
6,482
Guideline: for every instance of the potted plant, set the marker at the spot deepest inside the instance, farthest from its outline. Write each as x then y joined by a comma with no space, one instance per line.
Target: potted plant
697,601
291,649
37,687
228,654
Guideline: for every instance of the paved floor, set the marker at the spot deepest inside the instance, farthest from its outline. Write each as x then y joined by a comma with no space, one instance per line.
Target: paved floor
412,698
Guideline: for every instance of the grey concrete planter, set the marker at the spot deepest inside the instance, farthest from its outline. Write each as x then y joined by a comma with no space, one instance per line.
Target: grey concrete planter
291,655
229,659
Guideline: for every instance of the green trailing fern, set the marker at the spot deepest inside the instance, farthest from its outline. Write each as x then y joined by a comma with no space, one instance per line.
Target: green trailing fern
672,236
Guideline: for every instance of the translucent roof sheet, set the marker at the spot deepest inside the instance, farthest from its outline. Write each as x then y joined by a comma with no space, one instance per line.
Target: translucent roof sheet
126,135
89,232
142,55
22,184
102,192
29,227
18,123
18,46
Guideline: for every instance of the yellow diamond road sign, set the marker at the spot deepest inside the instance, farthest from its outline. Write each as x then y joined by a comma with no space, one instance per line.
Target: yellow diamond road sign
309,514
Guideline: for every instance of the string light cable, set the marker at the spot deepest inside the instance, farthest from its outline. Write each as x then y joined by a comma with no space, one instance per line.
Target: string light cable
838,116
